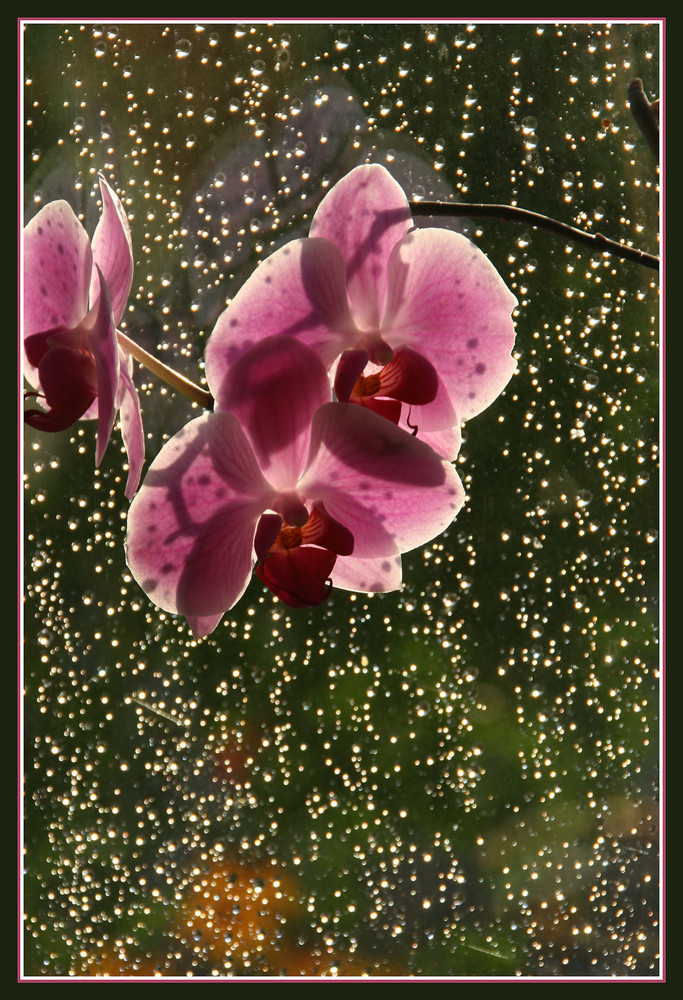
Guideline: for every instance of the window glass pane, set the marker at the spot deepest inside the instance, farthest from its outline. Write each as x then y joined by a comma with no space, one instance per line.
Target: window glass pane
456,779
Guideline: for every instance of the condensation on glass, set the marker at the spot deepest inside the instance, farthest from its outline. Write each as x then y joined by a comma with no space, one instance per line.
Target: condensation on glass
456,780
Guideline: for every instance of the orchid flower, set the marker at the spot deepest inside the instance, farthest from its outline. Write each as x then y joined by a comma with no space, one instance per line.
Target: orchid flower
74,297
415,322
311,492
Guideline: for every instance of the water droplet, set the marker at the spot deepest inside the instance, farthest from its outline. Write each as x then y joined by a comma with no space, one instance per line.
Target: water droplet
183,48
342,41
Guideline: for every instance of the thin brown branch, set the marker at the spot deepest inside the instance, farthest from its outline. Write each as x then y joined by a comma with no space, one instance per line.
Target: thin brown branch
510,213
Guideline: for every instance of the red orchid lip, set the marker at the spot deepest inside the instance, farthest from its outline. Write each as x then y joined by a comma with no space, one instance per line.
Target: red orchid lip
409,377
69,383
299,560
300,576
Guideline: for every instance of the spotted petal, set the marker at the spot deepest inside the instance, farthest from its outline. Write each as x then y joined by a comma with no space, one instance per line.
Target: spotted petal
191,525
392,491
448,302
369,576
298,292
57,271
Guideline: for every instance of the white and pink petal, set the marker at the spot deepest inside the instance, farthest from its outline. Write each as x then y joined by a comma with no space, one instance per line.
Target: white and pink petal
113,250
57,268
274,389
369,576
131,424
300,292
365,214
391,491
447,301
103,346
191,525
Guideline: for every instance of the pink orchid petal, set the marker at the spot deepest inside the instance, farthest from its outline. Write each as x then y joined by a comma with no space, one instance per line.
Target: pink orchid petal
131,425
390,490
57,270
448,302
217,566
445,442
365,214
69,383
104,348
368,576
300,577
274,389
300,292
191,524
348,371
203,626
113,250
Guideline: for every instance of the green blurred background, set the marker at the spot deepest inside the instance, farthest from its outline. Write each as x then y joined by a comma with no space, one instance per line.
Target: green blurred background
459,779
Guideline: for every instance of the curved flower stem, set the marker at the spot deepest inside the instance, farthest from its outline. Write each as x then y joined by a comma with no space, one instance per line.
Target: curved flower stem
166,374
511,213
645,114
